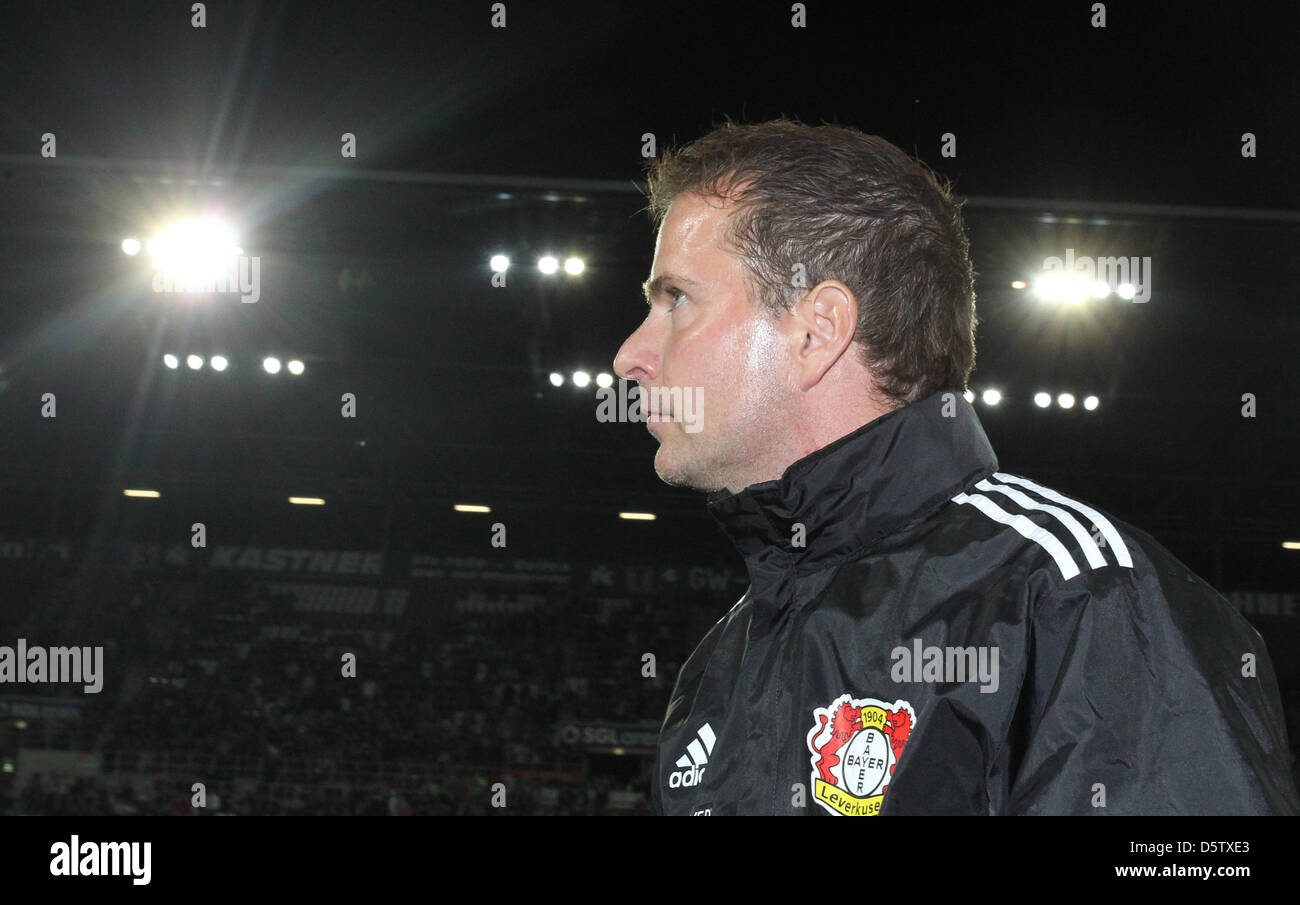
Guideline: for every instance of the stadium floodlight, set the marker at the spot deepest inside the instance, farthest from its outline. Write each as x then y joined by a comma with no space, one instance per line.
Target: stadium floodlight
219,362
1291,545
992,397
1075,288
131,246
499,263
171,361
194,361
1042,400
1100,289
581,379
1065,400
1126,291
637,516
271,365
142,494
1091,403
548,264
307,501
1049,287
1018,284
194,252
557,379
574,266
296,367
471,507
604,379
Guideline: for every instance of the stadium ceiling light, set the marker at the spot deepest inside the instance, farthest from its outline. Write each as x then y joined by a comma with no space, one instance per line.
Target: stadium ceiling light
171,361
604,379
637,516
1018,284
1065,400
471,507
1075,288
1042,400
1126,291
581,379
194,361
1091,403
548,264
992,397
1291,545
194,251
271,365
574,266
131,246
307,501
295,367
219,362
142,494
499,263
557,379
1048,287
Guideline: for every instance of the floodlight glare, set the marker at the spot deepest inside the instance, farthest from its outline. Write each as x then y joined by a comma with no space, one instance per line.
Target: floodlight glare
574,266
604,380
992,397
296,367
131,246
219,362
194,252
581,378
499,263
271,365
194,361
171,361
1042,400
1048,287
548,264
1075,288
557,379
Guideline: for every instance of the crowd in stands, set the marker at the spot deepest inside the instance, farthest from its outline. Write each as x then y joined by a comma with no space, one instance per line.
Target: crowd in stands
244,685
430,699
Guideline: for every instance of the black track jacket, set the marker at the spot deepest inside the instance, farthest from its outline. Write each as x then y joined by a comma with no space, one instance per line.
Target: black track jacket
925,634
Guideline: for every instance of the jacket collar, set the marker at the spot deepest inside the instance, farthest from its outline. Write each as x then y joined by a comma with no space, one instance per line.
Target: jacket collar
851,495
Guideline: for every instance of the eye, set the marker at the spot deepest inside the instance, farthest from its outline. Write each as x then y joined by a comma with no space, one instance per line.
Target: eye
674,295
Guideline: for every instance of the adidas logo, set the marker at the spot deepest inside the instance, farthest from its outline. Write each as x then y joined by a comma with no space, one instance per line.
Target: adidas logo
693,762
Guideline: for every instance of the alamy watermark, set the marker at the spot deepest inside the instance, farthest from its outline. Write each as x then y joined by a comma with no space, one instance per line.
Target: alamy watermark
54,665
639,404
241,274
1129,278
946,665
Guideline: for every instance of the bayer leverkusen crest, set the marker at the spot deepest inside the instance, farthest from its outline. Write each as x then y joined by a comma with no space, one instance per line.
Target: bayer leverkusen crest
855,745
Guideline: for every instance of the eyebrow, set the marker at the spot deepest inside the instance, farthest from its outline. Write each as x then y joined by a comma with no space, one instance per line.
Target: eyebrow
652,288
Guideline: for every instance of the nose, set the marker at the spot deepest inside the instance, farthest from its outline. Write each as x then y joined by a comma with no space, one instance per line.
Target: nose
638,357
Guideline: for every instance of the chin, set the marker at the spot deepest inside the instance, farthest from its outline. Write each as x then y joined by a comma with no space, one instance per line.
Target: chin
678,474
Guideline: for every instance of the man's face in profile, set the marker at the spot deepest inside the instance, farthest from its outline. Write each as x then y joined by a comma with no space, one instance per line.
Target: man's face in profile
720,355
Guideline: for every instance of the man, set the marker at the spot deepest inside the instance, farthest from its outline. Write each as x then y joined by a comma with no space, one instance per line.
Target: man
923,633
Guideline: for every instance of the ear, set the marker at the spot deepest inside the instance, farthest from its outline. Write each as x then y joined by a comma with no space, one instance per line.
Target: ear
822,324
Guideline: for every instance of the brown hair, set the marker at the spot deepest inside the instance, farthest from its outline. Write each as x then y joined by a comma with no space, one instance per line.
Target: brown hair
850,207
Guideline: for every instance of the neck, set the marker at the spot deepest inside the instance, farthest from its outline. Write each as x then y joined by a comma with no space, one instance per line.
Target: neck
816,423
